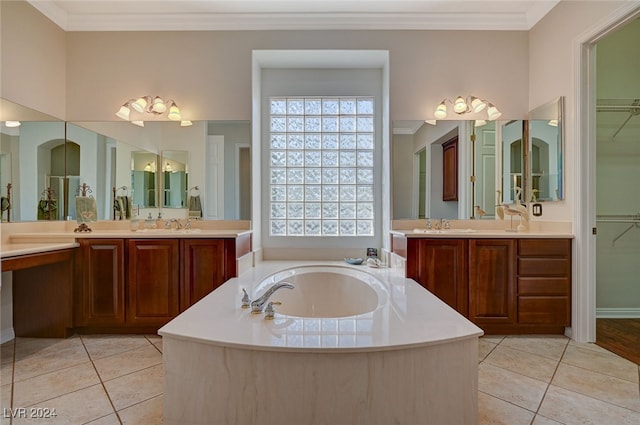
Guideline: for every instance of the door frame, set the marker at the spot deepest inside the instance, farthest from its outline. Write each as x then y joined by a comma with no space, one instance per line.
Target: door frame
584,211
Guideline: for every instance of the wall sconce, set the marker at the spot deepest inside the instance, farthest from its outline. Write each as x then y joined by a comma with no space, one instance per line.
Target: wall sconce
152,106
463,106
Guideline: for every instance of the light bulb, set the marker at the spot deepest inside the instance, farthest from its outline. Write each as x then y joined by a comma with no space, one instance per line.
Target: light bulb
174,113
12,123
158,105
478,105
185,123
441,111
123,112
493,113
459,106
140,104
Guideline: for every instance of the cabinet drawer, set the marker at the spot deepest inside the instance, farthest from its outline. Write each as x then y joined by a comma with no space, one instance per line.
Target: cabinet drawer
544,267
544,311
557,286
544,247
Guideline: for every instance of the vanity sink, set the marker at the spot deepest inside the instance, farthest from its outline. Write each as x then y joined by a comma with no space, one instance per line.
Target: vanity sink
168,231
444,231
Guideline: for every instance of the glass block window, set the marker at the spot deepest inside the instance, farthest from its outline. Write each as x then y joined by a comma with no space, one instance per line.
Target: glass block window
321,171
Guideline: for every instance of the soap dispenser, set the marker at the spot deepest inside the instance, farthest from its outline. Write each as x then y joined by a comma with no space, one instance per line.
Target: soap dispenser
150,222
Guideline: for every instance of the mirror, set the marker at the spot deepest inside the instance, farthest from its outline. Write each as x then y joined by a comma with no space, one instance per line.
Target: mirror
32,161
144,183
545,152
174,179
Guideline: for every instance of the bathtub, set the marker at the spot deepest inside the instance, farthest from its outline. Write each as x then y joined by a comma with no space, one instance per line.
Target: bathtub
348,345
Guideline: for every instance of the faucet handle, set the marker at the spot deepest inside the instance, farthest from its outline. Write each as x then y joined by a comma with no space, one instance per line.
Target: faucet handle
446,224
246,301
269,311
428,224
167,224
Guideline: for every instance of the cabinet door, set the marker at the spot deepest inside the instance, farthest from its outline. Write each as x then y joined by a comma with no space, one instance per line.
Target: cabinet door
441,268
450,170
102,277
203,268
153,281
492,297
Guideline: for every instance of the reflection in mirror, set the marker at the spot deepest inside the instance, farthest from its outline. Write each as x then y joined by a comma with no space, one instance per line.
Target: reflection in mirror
484,171
174,179
545,152
513,170
431,168
144,185
32,154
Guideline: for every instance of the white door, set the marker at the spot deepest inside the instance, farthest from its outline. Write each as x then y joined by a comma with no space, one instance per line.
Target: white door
214,201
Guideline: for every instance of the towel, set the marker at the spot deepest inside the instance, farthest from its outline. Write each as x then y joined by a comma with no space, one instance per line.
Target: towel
86,209
122,206
4,203
47,209
195,206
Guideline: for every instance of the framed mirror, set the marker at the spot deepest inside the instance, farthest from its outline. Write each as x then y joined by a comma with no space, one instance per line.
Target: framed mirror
32,165
545,152
175,186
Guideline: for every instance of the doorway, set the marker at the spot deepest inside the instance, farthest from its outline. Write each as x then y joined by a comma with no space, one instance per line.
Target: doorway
617,170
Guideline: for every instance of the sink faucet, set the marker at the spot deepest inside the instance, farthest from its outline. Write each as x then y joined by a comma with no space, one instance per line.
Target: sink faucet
167,224
258,304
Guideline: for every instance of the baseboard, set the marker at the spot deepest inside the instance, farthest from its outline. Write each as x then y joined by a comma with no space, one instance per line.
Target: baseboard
617,313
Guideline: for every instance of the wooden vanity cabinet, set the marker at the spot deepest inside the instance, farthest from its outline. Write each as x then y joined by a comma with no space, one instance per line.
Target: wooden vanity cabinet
206,264
503,285
544,283
102,275
492,296
440,265
154,281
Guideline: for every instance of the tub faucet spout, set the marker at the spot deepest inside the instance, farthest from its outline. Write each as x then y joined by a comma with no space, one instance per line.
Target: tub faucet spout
258,304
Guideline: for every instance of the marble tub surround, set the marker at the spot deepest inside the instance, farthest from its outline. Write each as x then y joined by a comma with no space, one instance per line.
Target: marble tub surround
485,228
410,360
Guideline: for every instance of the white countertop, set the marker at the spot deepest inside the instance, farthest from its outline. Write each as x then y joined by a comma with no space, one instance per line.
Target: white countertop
26,237
16,249
411,317
479,233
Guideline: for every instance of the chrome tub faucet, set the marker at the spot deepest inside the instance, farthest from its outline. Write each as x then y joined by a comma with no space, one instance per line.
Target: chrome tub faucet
257,305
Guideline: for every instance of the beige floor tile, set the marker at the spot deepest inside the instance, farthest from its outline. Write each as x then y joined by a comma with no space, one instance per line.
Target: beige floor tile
78,407
570,408
496,339
43,346
127,362
5,397
111,419
541,420
6,352
492,410
148,412
510,386
522,362
597,385
30,363
589,346
596,361
6,373
158,346
485,348
135,387
108,345
154,338
551,347
54,384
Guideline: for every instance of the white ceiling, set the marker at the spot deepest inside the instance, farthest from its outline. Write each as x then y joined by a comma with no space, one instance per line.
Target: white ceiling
191,15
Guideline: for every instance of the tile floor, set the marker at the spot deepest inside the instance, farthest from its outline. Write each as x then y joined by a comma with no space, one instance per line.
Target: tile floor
118,380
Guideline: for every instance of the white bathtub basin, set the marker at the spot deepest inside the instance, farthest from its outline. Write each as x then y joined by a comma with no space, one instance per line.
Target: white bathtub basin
326,292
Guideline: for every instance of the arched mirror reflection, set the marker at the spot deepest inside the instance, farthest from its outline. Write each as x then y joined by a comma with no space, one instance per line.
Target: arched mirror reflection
32,164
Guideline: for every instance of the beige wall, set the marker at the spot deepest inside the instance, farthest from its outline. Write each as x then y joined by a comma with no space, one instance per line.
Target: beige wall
209,73
552,44
32,59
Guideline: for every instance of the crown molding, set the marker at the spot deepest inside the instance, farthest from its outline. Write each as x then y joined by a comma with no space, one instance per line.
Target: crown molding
511,20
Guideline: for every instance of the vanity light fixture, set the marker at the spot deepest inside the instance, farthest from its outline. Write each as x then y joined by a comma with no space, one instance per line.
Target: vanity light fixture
152,106
12,124
470,104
